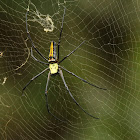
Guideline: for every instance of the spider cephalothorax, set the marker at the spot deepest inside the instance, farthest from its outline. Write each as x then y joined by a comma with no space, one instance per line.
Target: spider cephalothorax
53,64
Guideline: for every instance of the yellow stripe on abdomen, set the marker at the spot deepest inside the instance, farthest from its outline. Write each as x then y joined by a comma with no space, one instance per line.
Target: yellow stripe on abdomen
51,50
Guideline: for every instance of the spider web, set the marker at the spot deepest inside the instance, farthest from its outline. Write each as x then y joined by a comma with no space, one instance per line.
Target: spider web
109,58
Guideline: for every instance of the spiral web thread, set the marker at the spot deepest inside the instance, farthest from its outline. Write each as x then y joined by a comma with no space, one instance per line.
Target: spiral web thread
109,58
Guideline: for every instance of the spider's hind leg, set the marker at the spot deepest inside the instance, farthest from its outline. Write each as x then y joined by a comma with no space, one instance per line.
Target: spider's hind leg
36,58
29,36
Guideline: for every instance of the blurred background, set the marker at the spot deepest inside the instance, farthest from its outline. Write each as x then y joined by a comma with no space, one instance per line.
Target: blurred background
109,58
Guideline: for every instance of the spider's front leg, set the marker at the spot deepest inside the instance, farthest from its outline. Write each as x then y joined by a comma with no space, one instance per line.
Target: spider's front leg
46,95
33,79
61,74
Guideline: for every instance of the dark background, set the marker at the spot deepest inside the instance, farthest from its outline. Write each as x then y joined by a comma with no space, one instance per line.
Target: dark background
109,58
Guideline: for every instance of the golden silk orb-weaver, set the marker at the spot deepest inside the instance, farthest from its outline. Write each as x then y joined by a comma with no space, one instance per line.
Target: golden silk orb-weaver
54,67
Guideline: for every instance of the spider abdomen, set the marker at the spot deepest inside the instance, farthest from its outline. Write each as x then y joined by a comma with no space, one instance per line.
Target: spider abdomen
53,68
52,54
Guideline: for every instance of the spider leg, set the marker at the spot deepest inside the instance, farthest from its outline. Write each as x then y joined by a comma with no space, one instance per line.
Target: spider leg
61,32
31,38
71,53
33,79
49,74
61,74
82,79
37,59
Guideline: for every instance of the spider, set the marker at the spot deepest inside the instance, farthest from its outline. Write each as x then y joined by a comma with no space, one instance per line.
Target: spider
54,67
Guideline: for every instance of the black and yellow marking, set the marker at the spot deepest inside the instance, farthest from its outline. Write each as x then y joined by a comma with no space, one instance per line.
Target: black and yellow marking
52,54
